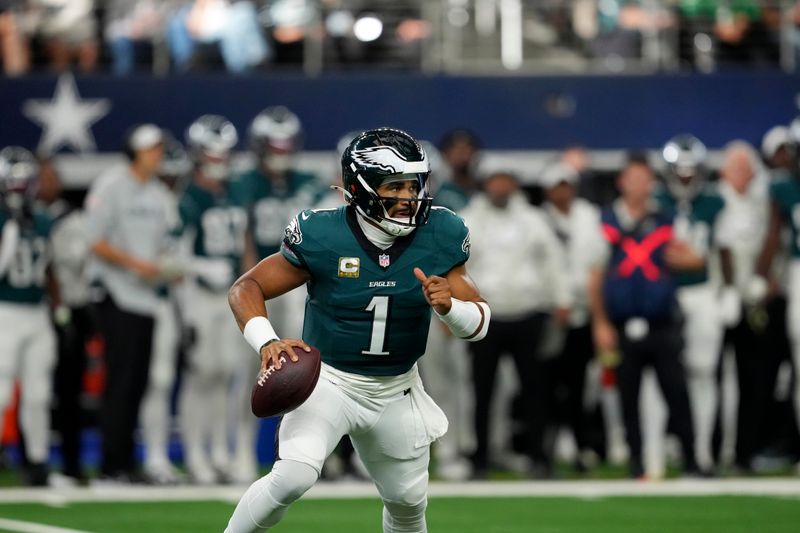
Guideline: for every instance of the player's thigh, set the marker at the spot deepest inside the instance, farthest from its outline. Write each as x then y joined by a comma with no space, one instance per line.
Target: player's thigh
793,303
38,361
393,436
11,337
702,329
311,432
210,319
165,346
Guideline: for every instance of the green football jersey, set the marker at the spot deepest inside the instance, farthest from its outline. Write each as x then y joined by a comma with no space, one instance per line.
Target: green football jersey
271,208
694,223
218,222
24,280
785,193
365,309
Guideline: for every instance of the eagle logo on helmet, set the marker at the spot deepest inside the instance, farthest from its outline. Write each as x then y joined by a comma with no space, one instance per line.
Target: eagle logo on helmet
385,158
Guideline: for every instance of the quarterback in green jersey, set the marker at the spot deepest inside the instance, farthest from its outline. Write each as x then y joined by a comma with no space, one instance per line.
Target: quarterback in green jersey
374,270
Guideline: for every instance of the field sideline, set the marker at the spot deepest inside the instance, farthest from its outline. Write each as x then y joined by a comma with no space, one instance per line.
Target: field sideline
672,506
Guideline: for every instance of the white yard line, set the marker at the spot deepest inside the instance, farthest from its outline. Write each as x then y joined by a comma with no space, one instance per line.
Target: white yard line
784,487
32,527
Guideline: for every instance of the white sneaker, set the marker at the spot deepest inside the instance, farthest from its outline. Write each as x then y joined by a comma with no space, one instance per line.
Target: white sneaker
458,469
201,474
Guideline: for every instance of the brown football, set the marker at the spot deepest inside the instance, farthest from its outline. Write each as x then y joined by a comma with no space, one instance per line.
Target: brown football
276,392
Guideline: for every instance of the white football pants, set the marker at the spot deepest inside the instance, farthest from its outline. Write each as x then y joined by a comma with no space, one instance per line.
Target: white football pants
28,353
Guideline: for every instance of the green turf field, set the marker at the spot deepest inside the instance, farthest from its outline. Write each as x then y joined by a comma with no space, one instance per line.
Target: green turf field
679,514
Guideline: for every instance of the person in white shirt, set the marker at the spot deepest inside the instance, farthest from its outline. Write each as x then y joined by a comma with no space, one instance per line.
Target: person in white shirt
745,188
576,224
517,257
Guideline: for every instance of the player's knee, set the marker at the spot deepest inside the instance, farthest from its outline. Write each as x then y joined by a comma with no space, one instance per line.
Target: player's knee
405,511
290,480
409,496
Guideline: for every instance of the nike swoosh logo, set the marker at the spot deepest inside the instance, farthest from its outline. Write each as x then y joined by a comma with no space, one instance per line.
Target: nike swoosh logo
304,216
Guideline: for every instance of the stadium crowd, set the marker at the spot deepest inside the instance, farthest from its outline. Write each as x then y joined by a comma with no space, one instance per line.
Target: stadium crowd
125,36
659,301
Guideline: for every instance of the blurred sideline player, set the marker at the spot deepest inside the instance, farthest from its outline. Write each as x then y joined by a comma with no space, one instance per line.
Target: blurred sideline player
373,270
27,339
784,194
706,309
155,410
213,233
446,370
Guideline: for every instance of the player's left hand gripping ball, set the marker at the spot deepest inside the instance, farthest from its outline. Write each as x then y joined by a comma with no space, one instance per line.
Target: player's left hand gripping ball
281,388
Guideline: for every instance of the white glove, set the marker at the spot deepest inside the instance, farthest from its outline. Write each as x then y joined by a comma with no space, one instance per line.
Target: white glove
730,306
756,290
216,273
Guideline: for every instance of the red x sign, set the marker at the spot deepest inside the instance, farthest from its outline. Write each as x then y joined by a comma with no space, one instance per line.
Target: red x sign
639,254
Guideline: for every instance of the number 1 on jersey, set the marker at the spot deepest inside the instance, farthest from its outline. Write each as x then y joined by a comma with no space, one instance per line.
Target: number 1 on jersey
379,306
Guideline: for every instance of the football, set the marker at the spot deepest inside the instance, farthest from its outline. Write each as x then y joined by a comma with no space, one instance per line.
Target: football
277,392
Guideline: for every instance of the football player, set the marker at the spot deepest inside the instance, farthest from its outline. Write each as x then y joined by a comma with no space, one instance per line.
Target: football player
784,192
214,227
27,339
697,205
373,269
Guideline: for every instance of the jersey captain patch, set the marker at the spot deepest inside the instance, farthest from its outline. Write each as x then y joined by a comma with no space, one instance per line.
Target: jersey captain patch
349,267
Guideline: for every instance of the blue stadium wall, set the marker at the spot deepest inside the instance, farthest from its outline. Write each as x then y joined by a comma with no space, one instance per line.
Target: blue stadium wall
508,112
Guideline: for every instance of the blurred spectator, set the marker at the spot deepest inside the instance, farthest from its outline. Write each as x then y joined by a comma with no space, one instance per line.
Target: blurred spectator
517,263
129,219
744,186
724,31
634,306
232,26
68,29
616,33
131,27
576,224
14,46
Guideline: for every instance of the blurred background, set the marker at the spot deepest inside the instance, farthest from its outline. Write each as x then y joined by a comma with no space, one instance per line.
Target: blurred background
521,87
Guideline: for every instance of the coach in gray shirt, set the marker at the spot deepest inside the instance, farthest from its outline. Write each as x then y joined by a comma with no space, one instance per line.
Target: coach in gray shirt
130,216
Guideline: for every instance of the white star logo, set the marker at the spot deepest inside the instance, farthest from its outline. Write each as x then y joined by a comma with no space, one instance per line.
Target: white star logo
66,120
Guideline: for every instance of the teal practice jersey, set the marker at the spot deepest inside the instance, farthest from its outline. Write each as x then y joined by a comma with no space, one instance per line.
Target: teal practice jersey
365,309
785,193
219,224
24,279
271,208
694,223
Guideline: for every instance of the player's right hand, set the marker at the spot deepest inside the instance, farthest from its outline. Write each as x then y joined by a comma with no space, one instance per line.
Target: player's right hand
272,352
605,336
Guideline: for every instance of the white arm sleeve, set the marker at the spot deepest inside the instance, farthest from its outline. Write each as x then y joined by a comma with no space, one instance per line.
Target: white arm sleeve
467,320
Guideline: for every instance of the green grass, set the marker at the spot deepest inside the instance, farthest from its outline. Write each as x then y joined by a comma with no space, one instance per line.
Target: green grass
728,514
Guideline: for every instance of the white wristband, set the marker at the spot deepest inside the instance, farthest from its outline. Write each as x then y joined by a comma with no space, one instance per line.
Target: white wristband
258,331
467,320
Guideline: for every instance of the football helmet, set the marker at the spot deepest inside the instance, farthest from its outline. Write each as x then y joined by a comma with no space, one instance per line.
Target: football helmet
19,177
275,137
175,165
376,156
686,172
210,140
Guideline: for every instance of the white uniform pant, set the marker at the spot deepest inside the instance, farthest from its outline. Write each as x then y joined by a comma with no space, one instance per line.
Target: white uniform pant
208,380
155,409
793,328
28,353
703,335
